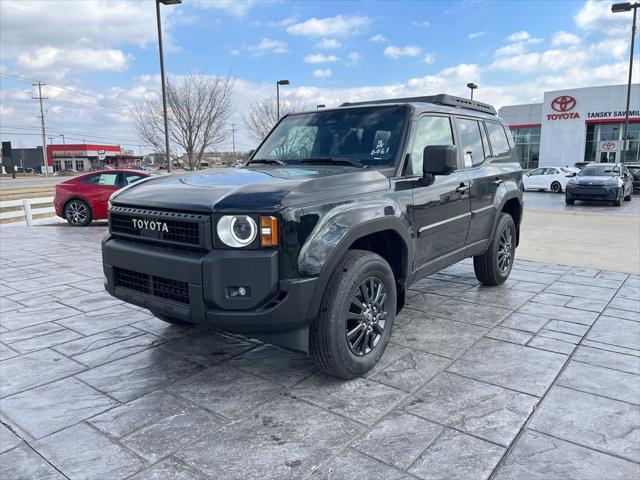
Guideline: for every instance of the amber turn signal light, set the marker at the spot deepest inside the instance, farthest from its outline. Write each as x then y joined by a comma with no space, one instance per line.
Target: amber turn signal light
268,231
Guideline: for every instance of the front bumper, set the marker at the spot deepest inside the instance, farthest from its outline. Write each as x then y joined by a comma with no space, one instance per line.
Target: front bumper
193,286
602,193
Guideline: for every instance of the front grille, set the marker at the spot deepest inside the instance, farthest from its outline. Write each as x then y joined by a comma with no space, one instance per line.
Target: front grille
172,290
156,226
591,190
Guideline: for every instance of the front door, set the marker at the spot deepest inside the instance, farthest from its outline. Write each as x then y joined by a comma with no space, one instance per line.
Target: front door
607,157
441,210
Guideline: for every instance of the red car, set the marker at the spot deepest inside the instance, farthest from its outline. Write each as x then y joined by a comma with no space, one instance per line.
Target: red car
85,198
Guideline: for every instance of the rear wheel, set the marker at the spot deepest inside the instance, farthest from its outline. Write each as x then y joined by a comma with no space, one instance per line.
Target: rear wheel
556,187
628,197
171,320
494,266
77,213
357,312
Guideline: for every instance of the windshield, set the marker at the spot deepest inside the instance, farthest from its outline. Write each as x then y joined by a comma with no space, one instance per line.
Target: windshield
370,136
600,170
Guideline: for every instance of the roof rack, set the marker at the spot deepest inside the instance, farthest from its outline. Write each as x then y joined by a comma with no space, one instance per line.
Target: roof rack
441,99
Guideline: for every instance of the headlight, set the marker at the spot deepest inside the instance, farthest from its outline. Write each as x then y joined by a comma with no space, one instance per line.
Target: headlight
237,230
615,182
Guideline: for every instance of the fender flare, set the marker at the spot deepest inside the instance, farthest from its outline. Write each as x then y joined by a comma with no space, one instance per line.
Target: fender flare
506,192
368,227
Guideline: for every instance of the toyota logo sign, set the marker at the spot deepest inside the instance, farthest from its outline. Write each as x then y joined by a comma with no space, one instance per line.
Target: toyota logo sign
563,105
608,145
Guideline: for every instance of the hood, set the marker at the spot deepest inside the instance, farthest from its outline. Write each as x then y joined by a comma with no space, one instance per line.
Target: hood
249,189
593,180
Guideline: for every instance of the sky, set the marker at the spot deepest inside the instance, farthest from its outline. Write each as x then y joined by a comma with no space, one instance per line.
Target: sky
99,58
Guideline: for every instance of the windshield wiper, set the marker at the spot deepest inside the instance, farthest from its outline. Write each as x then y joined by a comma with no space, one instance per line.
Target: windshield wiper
329,161
268,161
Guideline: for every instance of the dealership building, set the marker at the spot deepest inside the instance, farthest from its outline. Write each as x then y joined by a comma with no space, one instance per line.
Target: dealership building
85,157
575,125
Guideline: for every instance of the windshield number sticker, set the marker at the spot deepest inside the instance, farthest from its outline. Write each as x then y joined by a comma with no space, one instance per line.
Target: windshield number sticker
380,148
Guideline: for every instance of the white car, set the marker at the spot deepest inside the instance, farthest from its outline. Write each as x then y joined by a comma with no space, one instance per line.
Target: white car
549,178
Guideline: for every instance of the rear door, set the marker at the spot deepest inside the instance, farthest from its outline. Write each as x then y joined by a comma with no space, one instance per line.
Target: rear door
484,176
97,189
441,210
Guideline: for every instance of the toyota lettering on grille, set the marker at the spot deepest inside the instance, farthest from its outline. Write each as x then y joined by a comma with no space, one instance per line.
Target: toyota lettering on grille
152,225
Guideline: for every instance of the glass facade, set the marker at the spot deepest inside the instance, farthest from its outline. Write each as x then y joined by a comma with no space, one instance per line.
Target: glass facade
599,132
527,141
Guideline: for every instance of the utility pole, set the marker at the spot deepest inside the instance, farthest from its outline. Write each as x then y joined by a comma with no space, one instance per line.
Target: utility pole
233,141
44,135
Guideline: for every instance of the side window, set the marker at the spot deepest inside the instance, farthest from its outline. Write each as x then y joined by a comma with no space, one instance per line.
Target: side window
498,138
470,141
130,178
430,130
91,179
537,171
552,171
107,179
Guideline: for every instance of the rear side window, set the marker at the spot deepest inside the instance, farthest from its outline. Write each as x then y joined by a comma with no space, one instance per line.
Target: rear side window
470,141
130,178
498,139
431,130
104,179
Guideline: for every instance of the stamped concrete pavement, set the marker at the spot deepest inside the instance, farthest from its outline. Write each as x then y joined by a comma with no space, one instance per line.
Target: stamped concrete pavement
536,379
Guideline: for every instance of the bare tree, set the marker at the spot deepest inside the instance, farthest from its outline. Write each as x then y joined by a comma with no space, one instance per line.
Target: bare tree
263,115
198,109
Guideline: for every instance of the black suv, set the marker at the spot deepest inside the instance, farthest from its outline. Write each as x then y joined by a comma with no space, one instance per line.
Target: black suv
313,243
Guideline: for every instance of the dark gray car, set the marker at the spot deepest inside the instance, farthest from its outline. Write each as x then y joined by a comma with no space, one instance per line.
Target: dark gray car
602,182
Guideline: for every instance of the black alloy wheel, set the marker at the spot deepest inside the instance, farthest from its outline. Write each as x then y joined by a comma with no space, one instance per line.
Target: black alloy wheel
505,250
556,187
367,316
77,213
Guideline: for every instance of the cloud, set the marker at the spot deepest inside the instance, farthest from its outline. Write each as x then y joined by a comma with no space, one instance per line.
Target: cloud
520,36
268,46
597,16
474,35
424,23
378,38
68,59
338,26
328,43
322,73
234,51
512,49
320,58
353,59
549,60
565,38
429,57
397,52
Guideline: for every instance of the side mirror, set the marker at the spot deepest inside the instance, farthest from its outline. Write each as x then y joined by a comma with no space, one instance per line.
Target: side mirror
439,159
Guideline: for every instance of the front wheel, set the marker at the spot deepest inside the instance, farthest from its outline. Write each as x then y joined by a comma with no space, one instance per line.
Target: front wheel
357,312
569,201
77,213
494,266
618,201
556,187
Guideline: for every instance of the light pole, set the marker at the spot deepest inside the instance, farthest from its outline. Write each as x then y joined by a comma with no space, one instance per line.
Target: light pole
164,93
319,106
62,135
278,83
472,87
618,8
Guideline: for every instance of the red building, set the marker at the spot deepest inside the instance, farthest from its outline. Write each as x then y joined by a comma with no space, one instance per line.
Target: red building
87,157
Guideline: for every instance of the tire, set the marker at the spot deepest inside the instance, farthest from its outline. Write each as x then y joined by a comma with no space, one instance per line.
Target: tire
78,213
329,346
556,187
494,266
628,197
569,201
618,202
171,320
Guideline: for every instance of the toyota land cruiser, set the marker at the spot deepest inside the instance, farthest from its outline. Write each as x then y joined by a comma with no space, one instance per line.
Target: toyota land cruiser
313,243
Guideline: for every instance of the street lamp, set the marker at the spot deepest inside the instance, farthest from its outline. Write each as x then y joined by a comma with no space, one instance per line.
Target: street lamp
278,83
472,87
62,135
164,93
619,8
318,107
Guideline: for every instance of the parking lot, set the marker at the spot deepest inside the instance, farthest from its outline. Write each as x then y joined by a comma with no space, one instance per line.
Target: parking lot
537,378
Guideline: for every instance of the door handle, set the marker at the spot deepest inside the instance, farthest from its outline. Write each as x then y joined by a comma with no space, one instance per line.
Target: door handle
462,188
497,181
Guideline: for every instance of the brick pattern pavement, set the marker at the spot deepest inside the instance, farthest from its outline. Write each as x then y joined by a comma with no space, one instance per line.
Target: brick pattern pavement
536,379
